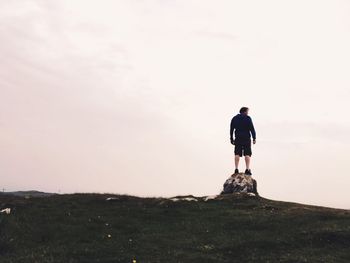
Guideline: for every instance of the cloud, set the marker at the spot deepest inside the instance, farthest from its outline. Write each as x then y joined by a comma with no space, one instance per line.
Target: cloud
217,35
304,132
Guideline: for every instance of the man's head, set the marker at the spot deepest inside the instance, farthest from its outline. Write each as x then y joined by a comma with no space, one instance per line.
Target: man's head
244,110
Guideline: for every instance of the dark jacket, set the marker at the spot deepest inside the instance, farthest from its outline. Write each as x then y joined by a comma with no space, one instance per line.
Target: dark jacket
243,126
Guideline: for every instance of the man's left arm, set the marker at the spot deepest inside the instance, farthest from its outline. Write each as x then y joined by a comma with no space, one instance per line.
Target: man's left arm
232,127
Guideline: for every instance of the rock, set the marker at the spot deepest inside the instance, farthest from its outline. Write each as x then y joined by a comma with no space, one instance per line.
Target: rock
240,183
6,211
209,197
175,199
112,198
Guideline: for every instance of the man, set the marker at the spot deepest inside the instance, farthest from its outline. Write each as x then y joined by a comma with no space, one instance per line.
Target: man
243,127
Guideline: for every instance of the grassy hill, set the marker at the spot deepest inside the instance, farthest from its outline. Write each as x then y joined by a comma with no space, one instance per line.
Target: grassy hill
236,228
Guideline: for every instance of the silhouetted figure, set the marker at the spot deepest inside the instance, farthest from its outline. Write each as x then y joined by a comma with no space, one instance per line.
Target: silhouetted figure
242,126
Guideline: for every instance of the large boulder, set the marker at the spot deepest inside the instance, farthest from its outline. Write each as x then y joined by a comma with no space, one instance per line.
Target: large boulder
240,183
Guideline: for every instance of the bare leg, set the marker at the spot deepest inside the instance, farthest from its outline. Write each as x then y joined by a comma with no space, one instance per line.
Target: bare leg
247,161
236,161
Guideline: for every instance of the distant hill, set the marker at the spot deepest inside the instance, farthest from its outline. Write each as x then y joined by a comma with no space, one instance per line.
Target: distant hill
31,193
231,228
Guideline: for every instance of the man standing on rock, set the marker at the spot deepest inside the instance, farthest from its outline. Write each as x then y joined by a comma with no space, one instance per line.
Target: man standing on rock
243,126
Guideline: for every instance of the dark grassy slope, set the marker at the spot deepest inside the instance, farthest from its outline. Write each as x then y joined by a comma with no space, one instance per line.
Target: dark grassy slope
75,228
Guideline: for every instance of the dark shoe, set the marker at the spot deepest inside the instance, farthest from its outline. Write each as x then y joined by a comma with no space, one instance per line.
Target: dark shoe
236,171
248,172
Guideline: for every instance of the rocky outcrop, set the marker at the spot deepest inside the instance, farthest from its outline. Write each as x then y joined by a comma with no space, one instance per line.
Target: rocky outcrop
240,183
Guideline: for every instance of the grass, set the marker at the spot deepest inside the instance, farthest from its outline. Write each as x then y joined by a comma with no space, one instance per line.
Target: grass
237,228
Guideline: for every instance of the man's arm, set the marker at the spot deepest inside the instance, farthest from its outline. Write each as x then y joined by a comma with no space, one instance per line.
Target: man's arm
252,129
232,127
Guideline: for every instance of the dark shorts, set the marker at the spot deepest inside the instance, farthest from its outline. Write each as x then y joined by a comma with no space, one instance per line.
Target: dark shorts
243,148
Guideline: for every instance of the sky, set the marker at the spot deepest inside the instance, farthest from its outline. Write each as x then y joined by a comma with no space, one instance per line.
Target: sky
136,97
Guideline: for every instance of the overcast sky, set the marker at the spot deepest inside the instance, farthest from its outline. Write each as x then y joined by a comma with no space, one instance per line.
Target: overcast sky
136,97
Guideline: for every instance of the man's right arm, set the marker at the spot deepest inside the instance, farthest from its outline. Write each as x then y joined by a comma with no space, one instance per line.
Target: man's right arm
252,129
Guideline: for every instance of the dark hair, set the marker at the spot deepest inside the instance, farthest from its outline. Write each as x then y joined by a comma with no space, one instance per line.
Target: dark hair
243,110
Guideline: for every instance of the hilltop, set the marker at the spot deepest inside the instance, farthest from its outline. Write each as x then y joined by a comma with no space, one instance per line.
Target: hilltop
28,194
120,228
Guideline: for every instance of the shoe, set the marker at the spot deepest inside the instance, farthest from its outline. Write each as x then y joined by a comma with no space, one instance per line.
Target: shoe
248,172
236,171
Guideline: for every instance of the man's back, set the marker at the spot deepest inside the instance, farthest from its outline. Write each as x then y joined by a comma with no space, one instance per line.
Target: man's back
243,127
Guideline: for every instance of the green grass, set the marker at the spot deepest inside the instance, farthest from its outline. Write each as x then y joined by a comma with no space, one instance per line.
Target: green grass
237,228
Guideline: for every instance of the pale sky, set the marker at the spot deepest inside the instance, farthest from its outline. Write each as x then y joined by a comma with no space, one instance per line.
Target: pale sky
136,97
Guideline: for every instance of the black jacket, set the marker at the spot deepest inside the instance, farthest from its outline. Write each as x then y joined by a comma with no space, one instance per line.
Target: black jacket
243,126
